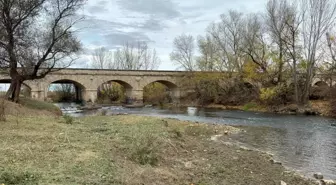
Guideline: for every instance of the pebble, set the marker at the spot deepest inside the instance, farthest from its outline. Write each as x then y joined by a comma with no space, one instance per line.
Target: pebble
283,183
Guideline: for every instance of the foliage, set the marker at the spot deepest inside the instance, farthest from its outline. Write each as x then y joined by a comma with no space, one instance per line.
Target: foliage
277,95
68,119
249,106
156,93
63,93
332,100
145,150
281,45
111,92
37,37
9,177
39,105
218,88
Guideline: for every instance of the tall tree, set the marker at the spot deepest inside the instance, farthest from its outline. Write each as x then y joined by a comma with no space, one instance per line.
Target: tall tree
136,56
228,35
290,39
255,46
331,64
276,23
102,58
209,59
317,16
35,37
183,53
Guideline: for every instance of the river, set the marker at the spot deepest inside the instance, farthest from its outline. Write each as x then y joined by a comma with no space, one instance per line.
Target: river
306,144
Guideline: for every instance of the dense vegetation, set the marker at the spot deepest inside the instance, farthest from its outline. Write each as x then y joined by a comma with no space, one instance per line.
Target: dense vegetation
270,58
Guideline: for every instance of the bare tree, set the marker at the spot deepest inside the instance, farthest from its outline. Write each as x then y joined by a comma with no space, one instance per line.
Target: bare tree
317,16
331,45
136,56
331,64
102,59
255,46
183,53
228,36
209,59
276,23
290,39
36,36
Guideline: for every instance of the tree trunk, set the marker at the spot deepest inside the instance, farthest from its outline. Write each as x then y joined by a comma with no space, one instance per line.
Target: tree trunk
13,93
296,92
307,85
281,63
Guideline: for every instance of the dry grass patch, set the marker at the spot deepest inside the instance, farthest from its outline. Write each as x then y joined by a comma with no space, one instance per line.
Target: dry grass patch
128,150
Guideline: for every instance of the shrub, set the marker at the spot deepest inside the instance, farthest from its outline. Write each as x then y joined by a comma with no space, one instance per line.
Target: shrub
235,91
219,89
156,93
277,95
177,133
332,100
267,94
249,106
68,119
145,150
111,92
18,178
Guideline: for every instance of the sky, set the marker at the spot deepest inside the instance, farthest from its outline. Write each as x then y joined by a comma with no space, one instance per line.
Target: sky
111,23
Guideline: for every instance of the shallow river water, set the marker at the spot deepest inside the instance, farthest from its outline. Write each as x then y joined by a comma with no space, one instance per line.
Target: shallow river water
306,144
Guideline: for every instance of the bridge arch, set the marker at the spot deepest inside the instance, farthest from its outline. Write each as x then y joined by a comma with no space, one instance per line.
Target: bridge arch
320,84
126,89
77,88
171,92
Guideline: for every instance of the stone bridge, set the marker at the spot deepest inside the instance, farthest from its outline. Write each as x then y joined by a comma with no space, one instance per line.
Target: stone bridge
87,82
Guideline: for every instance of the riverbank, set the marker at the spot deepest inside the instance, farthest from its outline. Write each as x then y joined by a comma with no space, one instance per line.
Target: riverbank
130,150
320,108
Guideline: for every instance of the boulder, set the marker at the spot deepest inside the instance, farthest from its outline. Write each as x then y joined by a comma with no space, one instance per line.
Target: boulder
318,176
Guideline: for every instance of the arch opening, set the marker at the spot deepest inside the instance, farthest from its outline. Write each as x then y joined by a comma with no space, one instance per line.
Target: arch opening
114,91
66,90
160,92
319,91
5,84
321,84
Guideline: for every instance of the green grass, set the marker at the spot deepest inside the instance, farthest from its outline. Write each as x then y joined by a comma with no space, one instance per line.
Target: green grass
39,105
127,150
249,106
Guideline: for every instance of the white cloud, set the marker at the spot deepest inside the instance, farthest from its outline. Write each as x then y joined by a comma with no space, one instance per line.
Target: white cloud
109,23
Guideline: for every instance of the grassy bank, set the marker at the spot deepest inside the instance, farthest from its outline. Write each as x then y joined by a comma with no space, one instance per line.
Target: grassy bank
29,107
129,150
316,107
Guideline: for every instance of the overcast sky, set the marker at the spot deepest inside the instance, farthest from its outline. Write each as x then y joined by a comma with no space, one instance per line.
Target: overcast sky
111,23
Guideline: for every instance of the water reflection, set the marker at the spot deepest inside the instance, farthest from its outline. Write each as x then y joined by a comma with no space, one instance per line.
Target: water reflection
306,144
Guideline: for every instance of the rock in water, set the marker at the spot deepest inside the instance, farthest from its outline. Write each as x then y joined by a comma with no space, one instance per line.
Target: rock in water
318,176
